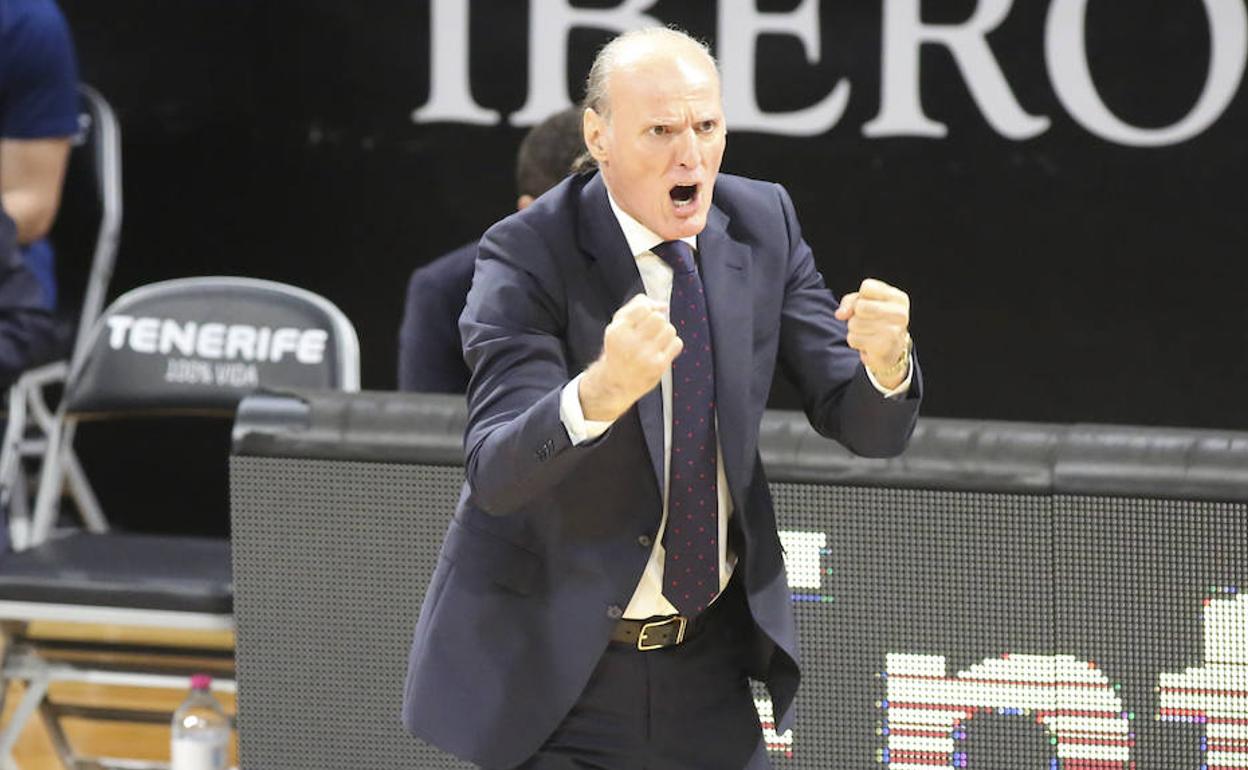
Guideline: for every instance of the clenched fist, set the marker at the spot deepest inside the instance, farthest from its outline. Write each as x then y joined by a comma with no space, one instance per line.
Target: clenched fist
637,347
878,316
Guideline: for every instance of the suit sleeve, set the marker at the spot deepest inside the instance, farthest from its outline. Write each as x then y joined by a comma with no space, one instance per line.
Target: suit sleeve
837,396
430,355
513,326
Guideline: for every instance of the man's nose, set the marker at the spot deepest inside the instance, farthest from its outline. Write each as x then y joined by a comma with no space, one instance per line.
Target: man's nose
687,154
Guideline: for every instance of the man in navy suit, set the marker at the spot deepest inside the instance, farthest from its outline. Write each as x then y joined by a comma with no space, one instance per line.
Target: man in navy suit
431,358
613,575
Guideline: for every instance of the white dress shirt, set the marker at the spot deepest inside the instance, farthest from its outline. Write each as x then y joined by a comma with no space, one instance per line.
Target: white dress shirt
656,276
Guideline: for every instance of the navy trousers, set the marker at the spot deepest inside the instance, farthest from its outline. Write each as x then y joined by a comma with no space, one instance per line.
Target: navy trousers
687,707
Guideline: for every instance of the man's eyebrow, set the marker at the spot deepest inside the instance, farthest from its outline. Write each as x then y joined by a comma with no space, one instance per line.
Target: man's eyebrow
668,120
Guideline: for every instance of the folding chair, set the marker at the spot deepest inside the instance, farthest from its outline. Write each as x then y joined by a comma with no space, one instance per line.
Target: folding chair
187,346
92,191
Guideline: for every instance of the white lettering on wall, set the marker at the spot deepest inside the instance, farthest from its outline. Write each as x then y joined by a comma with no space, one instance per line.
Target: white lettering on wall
450,95
550,24
740,26
1066,54
901,109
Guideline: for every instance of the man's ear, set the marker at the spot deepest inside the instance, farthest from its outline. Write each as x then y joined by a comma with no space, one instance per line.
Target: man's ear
594,128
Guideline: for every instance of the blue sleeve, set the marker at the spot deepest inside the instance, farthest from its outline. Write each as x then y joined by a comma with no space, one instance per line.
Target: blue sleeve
38,74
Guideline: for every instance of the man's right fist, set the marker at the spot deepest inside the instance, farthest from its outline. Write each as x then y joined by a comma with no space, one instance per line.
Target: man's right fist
637,348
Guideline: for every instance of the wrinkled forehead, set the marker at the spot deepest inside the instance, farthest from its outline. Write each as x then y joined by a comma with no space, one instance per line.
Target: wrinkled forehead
665,83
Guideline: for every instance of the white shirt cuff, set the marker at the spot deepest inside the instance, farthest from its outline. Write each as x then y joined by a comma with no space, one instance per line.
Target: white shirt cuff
580,429
900,390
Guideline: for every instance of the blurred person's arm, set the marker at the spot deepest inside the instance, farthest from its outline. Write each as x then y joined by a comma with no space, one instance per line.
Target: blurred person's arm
31,172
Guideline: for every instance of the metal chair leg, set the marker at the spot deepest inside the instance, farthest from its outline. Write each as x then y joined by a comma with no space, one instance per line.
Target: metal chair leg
36,689
51,484
56,734
11,462
80,489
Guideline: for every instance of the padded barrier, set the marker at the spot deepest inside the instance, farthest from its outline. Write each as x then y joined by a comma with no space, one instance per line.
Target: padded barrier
1003,596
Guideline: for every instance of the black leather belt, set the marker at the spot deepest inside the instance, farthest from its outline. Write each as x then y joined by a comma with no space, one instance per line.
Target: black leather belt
660,632
652,634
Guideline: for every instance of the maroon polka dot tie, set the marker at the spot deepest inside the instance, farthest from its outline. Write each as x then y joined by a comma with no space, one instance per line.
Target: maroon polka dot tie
691,567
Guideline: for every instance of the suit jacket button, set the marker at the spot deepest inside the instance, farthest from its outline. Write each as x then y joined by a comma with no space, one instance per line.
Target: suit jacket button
614,612
644,541
543,451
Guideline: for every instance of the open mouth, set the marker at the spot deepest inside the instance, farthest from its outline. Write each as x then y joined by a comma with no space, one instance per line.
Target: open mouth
684,195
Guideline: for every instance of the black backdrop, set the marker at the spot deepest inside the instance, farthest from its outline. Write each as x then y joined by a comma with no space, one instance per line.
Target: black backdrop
1057,278
1060,278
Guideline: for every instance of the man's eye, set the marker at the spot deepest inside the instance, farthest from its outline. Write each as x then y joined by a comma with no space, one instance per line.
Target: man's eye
658,130
706,126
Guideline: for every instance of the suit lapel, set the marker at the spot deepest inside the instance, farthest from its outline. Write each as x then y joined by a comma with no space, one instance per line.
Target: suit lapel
725,268
602,239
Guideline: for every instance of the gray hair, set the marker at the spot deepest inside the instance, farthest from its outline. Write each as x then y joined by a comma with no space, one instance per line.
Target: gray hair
608,59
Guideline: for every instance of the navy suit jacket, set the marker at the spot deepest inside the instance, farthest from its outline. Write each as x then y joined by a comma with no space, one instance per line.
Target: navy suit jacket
549,539
431,358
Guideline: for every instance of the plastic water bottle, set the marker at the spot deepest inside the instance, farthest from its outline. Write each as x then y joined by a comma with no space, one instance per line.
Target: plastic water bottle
201,730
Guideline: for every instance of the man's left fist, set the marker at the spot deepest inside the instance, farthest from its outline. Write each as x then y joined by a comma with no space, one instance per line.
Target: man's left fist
878,316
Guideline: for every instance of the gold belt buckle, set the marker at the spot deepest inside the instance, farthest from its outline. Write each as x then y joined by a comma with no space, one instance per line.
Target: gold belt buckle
646,628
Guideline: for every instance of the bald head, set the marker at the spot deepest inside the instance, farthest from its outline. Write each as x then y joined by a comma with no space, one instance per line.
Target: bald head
636,47
654,125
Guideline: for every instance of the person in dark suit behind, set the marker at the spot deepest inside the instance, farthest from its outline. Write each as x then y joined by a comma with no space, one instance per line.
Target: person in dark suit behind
431,359
613,577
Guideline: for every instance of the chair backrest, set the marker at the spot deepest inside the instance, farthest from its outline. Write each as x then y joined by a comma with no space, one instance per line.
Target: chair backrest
89,221
102,140
200,344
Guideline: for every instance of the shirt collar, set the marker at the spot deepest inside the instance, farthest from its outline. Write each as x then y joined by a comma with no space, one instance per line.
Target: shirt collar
641,240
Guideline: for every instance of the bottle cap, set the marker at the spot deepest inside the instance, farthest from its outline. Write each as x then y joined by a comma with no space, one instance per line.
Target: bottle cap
201,682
